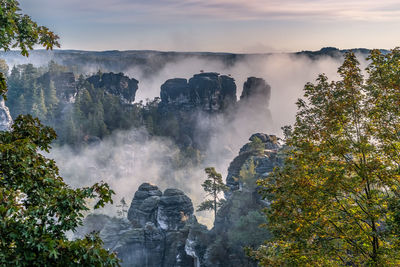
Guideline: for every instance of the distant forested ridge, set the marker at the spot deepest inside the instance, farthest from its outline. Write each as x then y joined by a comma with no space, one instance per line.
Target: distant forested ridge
151,62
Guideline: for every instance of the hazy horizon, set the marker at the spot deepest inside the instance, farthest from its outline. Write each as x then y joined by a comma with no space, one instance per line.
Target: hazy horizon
257,26
38,48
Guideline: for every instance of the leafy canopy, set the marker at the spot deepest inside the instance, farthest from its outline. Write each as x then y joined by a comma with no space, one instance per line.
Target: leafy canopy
247,175
17,30
36,207
336,200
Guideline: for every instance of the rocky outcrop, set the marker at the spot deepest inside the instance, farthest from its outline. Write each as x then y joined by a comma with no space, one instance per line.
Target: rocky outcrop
144,205
154,234
264,163
212,92
5,117
116,84
174,210
239,217
256,89
208,92
189,108
254,102
161,229
184,102
135,246
175,92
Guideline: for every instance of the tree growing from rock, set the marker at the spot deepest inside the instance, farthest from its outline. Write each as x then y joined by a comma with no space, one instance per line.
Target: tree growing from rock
213,186
248,176
336,200
257,146
123,208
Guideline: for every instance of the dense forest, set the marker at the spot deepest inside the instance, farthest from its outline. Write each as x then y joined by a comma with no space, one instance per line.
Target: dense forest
77,110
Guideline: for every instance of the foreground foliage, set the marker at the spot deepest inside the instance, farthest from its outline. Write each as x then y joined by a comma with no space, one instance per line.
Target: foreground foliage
336,200
19,31
37,208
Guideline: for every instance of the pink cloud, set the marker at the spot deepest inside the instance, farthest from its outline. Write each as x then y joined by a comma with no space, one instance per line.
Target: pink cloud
138,10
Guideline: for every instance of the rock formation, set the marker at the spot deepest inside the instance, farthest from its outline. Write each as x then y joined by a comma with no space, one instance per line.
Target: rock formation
223,245
264,163
175,92
254,102
174,210
210,92
116,84
258,89
144,205
161,230
5,117
155,232
189,107
184,102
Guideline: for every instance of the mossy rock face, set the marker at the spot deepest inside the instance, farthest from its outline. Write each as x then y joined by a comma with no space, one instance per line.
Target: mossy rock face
263,151
238,205
237,222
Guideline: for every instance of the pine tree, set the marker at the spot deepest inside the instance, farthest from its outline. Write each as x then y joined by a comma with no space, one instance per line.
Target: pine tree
213,186
20,106
51,96
123,211
247,175
15,92
38,103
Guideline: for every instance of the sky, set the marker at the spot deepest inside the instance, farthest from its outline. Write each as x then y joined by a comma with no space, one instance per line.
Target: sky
238,26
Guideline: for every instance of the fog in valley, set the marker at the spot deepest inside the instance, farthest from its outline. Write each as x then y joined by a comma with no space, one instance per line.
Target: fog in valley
126,159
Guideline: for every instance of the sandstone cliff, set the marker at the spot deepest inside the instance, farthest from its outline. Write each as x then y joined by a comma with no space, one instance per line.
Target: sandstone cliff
161,229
